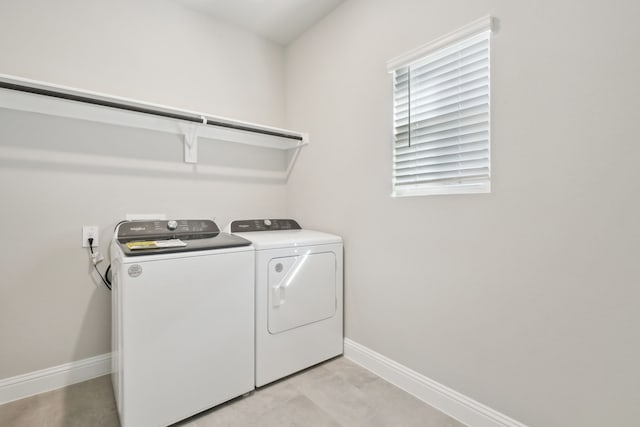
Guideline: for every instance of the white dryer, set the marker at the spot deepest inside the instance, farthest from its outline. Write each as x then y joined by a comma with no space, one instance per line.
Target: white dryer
299,297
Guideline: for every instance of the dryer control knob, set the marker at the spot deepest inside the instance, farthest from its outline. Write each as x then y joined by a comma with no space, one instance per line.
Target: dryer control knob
172,225
267,222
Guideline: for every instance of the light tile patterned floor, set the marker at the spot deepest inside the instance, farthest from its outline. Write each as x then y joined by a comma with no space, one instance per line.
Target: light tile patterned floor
336,393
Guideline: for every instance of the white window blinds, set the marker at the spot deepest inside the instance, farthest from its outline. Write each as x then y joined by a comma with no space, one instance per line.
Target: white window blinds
442,120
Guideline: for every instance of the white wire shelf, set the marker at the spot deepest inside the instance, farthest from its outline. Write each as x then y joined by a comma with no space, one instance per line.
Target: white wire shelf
43,98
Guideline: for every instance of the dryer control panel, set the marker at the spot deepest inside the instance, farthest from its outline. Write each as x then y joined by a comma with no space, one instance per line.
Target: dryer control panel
264,225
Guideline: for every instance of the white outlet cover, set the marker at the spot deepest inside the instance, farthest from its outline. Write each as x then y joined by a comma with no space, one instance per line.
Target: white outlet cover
90,231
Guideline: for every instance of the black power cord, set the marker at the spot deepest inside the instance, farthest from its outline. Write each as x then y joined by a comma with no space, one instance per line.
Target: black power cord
105,278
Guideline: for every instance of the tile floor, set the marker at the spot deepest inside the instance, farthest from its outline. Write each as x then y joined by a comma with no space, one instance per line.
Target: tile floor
335,393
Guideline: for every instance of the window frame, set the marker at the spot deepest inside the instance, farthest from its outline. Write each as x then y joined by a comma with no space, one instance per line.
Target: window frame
422,53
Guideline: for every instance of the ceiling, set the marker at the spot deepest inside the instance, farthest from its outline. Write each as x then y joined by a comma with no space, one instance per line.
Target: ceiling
281,21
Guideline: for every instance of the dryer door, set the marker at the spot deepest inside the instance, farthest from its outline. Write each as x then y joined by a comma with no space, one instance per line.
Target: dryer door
302,290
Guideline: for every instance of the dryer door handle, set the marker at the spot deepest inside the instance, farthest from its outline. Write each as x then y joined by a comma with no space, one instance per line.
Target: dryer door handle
277,295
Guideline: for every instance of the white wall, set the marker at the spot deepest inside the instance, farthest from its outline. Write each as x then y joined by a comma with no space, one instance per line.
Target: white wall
525,299
51,312
156,51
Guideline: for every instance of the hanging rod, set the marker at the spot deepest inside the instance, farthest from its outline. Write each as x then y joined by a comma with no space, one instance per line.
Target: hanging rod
145,110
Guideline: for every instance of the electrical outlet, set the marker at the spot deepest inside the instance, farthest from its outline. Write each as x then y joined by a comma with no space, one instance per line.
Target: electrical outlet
87,232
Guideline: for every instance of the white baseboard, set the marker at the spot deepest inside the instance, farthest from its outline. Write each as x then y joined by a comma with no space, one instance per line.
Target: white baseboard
449,401
452,403
37,382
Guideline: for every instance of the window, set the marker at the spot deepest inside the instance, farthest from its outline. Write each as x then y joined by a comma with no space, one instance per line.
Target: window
441,115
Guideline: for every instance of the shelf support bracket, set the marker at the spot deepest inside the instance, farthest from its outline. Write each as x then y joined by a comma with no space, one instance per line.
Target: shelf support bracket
191,142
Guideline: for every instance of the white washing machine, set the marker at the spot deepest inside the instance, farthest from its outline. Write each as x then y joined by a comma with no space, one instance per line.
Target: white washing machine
183,319
299,299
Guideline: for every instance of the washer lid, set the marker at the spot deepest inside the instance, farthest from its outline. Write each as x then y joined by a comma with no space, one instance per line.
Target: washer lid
138,238
288,238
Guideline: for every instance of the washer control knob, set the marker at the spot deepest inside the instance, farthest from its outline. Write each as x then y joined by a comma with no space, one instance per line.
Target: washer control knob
172,225
267,222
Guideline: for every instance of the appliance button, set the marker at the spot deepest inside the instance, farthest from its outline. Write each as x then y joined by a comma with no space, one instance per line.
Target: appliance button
172,225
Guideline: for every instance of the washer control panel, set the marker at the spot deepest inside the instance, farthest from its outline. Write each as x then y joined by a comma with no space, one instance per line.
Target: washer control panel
264,225
186,228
